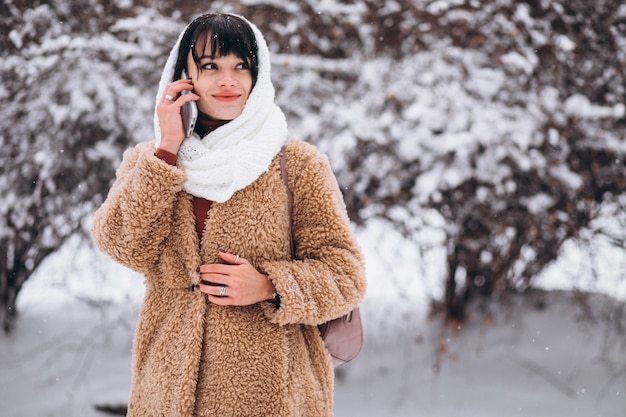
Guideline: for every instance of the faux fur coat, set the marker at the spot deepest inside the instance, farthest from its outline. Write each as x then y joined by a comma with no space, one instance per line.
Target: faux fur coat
193,358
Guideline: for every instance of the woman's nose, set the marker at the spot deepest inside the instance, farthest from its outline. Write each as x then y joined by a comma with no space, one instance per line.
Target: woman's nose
227,79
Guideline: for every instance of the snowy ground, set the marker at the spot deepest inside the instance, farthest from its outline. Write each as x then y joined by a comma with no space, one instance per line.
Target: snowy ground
549,354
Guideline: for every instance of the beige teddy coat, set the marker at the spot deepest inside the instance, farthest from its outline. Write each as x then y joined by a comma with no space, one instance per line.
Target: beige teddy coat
191,358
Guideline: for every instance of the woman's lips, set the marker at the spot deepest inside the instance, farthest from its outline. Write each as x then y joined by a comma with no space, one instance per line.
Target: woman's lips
228,97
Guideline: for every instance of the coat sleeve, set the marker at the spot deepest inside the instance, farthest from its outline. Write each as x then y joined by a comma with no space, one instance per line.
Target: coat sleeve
327,279
136,216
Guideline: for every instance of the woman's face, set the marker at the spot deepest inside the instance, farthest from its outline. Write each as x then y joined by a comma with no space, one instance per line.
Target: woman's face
223,84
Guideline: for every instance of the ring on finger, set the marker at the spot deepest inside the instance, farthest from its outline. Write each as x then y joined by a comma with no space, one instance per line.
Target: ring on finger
223,291
169,97
236,258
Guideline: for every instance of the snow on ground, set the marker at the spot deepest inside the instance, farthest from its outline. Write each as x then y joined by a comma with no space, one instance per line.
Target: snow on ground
543,355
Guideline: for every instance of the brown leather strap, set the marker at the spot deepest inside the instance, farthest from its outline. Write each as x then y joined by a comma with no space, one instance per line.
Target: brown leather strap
283,175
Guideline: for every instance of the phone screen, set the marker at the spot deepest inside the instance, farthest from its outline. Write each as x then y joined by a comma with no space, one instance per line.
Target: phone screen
189,112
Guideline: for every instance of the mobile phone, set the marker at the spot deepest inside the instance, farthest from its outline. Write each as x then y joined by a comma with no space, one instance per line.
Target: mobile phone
189,112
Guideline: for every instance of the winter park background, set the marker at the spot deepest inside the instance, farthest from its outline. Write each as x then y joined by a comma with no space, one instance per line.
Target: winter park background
480,147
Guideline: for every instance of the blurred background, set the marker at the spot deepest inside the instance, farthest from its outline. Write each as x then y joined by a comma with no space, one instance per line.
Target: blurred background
480,147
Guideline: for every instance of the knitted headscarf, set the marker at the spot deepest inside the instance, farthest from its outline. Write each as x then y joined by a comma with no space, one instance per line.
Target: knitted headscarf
237,153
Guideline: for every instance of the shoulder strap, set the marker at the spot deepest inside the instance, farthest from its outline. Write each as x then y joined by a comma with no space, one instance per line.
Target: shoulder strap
343,337
283,175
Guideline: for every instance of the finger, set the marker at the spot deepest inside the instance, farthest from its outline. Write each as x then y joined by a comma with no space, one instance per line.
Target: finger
179,99
214,281
219,291
215,269
173,90
182,81
231,258
213,289
222,301
182,84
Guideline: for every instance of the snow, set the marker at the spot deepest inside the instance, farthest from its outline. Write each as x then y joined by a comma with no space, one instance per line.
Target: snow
552,352
579,105
544,354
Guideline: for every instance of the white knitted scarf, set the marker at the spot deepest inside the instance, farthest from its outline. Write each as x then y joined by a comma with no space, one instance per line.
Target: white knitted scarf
234,155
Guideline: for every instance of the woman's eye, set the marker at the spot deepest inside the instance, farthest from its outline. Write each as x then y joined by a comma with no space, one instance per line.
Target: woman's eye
210,66
243,65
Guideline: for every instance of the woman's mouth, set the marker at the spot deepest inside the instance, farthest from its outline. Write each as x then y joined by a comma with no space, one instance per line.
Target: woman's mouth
226,97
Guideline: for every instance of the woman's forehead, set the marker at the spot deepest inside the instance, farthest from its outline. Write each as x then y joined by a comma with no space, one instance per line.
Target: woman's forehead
204,45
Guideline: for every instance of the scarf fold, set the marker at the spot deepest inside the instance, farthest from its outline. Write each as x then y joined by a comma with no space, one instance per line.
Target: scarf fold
234,155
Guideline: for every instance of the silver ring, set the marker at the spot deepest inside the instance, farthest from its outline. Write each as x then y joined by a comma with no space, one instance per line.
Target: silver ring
236,258
169,97
223,291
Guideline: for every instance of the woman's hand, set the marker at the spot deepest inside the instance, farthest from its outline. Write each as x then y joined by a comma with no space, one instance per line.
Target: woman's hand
235,283
169,114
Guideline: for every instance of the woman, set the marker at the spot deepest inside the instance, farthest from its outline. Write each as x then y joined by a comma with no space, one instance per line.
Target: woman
228,323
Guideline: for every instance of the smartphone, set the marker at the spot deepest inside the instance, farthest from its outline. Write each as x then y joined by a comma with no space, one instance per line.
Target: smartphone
189,112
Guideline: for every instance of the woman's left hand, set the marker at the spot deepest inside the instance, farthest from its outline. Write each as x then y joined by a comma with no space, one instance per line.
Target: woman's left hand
235,283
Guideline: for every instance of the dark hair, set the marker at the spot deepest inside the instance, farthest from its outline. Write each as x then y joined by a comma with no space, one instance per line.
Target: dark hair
227,34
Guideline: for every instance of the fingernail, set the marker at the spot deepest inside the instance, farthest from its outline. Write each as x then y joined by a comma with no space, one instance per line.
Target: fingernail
198,269
222,250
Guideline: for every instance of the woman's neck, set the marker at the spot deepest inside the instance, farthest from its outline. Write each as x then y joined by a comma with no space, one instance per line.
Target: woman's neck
206,124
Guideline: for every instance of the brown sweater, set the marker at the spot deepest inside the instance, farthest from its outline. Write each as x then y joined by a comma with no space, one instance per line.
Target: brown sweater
201,206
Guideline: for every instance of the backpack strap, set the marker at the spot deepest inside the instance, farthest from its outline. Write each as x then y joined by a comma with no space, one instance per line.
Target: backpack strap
343,337
283,175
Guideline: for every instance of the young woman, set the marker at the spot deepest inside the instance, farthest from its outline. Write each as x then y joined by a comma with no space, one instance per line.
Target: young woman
229,322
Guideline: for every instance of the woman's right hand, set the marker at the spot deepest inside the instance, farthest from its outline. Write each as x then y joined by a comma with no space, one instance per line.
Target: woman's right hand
169,114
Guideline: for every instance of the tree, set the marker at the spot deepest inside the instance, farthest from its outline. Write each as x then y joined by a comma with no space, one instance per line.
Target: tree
72,74
492,129
79,80
517,144
493,126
